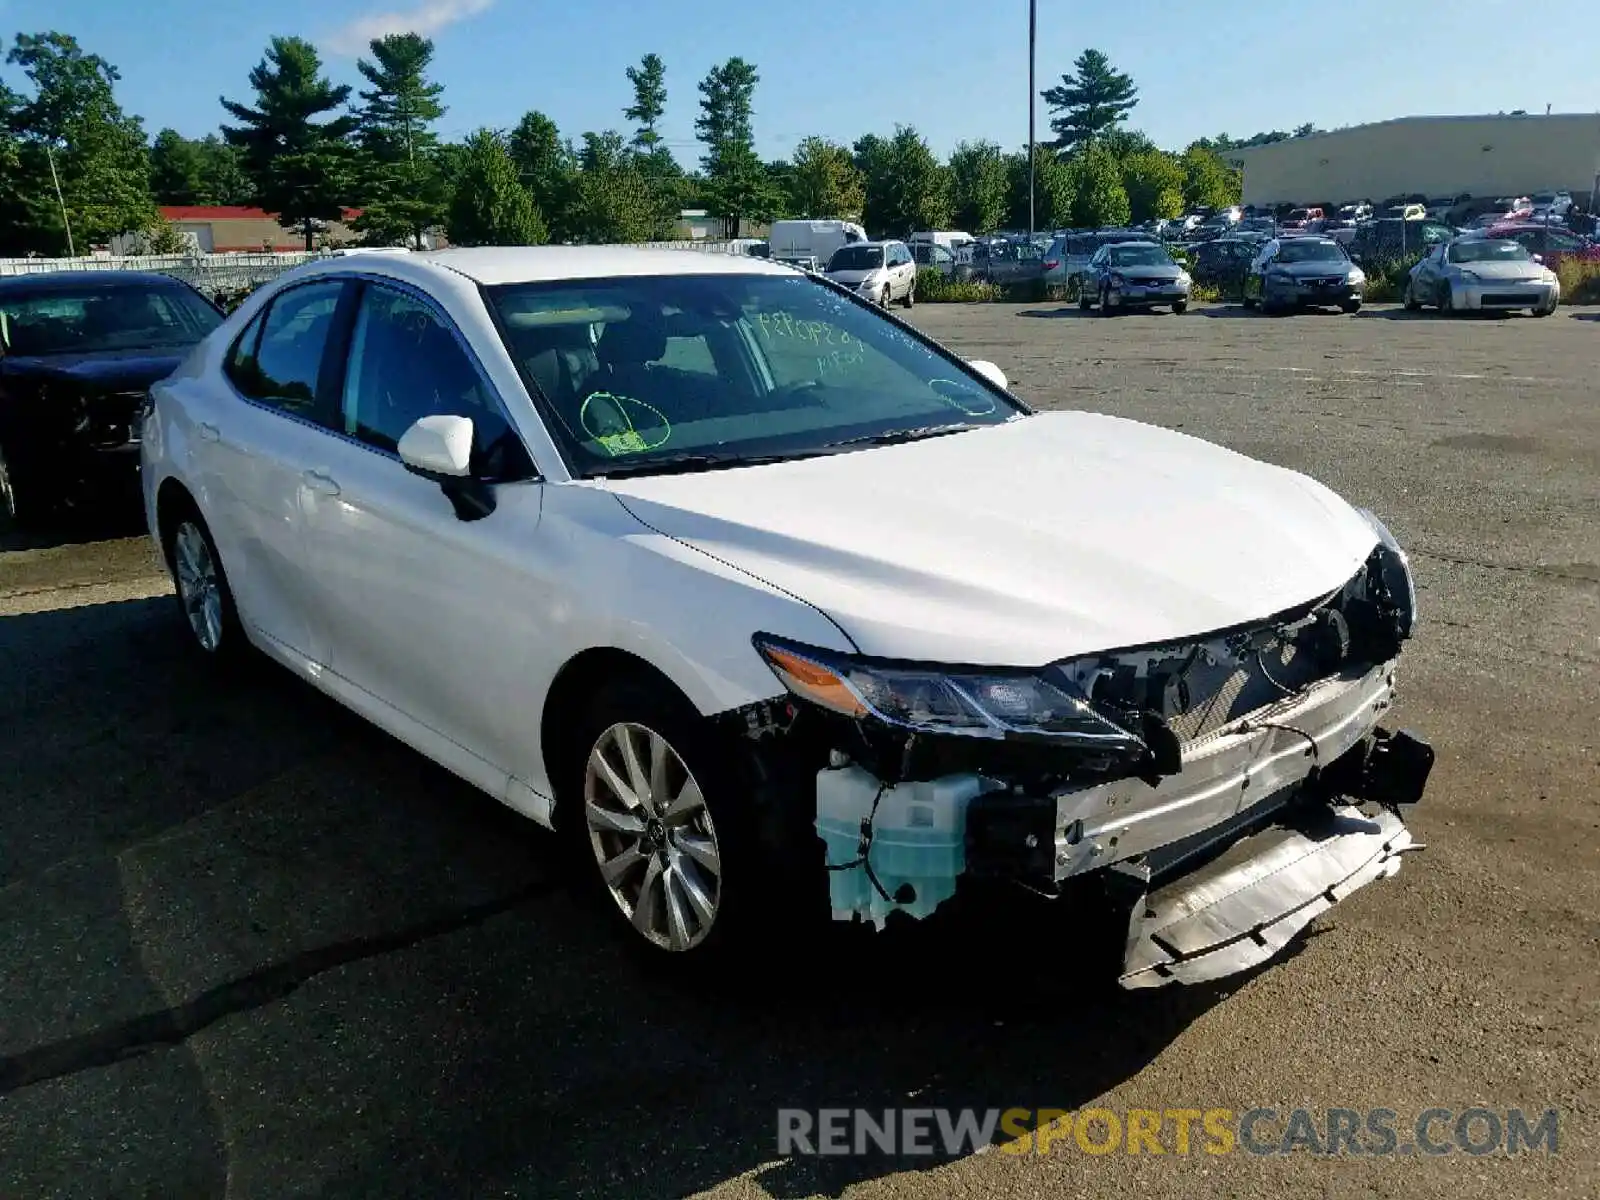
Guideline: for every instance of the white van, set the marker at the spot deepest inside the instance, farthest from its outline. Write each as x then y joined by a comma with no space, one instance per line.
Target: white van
951,239
811,243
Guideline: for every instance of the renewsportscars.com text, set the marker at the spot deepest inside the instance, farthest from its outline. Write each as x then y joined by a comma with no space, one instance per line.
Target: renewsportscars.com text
1372,1132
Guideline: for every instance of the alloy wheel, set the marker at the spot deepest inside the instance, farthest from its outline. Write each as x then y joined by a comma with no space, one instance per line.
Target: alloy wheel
652,836
199,585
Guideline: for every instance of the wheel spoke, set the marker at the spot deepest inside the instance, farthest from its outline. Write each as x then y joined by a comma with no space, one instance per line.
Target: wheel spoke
661,757
704,909
601,766
637,777
648,902
677,914
702,850
609,820
615,868
683,808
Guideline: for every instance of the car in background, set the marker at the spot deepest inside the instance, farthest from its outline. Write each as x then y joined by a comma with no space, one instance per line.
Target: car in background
810,244
1391,238
1438,207
1555,205
883,272
1302,218
1553,244
1006,261
78,353
1067,257
1303,272
1127,275
675,555
1473,274
1487,210
1403,212
940,258
1255,227
1222,262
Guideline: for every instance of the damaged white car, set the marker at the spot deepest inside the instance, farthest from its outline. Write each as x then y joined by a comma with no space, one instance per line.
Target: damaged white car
732,577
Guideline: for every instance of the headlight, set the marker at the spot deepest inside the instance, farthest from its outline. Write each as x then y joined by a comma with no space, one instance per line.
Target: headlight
1394,572
1116,279
1357,275
1184,279
1278,276
996,704
1467,276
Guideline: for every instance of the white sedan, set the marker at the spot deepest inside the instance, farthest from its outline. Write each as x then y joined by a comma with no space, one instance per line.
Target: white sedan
731,577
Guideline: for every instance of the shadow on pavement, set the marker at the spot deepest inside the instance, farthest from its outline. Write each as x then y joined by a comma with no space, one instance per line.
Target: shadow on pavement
1585,316
511,1044
72,527
1069,310
1433,314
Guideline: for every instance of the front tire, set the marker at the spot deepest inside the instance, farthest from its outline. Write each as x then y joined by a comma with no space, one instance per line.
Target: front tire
205,600
650,809
911,296
1350,307
883,300
1412,304
1105,302
1179,307
10,505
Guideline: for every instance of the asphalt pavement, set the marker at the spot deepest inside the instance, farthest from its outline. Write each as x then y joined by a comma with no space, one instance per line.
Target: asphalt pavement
250,946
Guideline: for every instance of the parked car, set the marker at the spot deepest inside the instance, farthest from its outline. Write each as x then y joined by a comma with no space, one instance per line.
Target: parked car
932,254
950,239
1473,274
674,552
1005,262
1067,257
881,271
1404,212
1390,238
1553,204
1301,218
1303,272
78,350
1487,210
1128,275
1552,243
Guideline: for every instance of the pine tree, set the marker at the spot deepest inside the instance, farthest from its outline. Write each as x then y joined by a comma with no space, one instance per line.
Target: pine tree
490,206
298,158
405,188
547,167
1091,103
649,81
738,186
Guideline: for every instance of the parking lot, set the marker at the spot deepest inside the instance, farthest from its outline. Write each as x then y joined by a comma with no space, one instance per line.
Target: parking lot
253,947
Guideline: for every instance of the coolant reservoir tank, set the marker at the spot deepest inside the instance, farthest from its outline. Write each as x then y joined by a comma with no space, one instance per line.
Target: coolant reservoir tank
918,844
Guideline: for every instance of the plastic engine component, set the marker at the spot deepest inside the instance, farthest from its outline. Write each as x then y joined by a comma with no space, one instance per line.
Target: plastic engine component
917,846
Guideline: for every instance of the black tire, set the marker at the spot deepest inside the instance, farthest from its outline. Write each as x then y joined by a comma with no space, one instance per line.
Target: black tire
640,701
1442,298
1085,302
1412,304
1350,307
1105,303
229,646
10,504
1179,307
911,296
1248,301
883,300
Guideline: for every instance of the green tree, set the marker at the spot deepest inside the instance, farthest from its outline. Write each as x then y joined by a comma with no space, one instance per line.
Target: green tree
1099,199
222,176
295,154
1054,189
978,186
405,192
548,168
71,131
823,181
738,186
491,207
1305,130
1208,182
649,80
177,169
906,186
1154,181
1091,103
615,201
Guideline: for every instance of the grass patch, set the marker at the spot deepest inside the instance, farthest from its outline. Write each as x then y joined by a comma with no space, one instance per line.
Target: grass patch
1387,278
1580,281
936,288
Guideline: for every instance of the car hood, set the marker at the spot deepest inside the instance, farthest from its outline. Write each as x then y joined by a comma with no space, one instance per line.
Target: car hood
1503,271
854,277
1314,270
111,371
1049,536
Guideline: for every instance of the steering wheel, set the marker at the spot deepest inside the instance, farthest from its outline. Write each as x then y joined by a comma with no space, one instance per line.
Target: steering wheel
801,393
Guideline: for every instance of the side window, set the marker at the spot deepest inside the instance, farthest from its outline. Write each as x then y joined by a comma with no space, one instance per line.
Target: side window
405,364
278,360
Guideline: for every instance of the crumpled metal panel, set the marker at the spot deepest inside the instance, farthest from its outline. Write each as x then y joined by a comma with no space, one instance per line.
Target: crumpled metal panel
1243,907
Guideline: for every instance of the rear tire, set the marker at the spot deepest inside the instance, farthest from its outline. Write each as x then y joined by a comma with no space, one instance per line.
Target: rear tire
1412,304
911,296
10,505
1350,307
1179,307
210,618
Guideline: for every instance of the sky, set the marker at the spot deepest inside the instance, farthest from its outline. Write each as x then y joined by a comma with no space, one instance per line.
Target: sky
954,70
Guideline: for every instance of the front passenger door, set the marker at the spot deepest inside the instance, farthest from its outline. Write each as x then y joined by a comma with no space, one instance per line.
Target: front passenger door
423,611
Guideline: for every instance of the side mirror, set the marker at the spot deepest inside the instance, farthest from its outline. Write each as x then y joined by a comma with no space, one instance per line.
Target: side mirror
990,372
1538,258
439,448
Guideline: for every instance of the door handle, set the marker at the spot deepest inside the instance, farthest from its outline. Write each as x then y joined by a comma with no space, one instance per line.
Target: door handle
208,432
323,485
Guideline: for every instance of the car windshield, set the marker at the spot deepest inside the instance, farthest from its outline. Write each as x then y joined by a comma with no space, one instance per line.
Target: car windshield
1299,214
93,320
1139,256
856,258
1544,198
1488,250
1305,250
683,372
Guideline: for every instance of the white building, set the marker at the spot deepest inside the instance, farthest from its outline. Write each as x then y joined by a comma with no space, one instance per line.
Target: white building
1434,156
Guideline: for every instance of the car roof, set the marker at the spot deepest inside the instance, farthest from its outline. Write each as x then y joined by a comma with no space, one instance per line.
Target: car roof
79,281
490,265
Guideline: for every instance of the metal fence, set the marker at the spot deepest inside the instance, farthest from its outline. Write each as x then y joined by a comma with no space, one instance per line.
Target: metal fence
214,274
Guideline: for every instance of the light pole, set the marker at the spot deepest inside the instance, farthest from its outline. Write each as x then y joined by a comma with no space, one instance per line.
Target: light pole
60,199
1033,36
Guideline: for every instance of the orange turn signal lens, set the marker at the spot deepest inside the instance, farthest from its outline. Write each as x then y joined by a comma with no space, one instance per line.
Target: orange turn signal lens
815,682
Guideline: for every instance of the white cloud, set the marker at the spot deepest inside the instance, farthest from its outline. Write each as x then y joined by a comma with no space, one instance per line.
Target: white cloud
428,18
